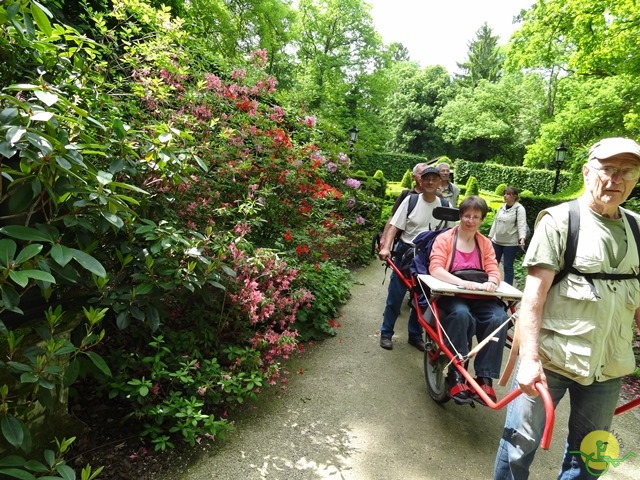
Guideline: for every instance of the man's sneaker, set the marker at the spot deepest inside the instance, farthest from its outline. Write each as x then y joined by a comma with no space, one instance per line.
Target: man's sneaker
418,343
386,343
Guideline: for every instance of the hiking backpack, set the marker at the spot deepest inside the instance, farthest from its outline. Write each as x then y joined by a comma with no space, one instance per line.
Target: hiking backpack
572,246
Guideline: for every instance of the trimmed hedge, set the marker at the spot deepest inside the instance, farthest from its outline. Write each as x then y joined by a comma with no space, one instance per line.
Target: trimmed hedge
490,175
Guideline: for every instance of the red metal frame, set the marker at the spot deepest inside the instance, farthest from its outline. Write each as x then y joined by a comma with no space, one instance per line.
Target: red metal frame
436,335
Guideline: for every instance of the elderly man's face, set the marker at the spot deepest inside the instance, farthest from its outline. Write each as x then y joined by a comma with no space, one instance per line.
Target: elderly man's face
429,182
611,181
444,172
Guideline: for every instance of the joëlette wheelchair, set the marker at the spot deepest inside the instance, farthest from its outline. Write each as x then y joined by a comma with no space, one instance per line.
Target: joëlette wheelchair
425,291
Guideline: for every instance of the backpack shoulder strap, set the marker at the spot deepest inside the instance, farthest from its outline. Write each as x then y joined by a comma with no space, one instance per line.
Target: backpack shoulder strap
634,229
572,241
413,201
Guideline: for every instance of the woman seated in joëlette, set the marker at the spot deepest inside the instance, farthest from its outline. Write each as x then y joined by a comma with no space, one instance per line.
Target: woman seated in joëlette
464,315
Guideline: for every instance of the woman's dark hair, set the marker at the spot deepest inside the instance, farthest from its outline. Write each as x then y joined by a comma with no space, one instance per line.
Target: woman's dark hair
512,190
473,202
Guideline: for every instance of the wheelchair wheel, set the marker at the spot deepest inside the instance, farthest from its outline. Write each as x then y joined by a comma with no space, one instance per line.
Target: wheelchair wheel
435,375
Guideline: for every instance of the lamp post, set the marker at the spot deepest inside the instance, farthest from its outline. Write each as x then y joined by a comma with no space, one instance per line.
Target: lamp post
561,153
353,136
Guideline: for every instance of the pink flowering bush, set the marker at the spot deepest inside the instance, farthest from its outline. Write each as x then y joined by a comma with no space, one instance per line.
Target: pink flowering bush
208,224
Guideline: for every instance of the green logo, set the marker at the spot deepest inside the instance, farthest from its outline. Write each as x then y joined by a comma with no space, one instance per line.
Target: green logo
600,449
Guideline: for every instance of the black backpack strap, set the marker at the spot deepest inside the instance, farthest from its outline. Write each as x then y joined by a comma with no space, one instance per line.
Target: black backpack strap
572,245
572,241
634,229
413,201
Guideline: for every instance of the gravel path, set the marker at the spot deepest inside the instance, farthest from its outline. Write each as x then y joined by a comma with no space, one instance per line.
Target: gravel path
355,411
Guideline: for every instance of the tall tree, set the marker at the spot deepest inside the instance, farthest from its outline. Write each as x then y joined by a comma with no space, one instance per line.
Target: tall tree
417,96
336,41
234,29
495,121
484,60
588,51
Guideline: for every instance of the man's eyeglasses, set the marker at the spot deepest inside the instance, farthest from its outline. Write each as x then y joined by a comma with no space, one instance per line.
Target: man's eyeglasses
632,173
471,218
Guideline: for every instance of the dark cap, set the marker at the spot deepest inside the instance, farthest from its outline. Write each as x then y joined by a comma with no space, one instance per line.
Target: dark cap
429,170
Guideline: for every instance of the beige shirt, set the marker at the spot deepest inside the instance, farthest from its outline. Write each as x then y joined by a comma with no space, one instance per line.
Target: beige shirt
587,334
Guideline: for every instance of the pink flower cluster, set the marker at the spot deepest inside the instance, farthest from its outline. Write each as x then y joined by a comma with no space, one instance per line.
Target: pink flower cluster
263,291
352,183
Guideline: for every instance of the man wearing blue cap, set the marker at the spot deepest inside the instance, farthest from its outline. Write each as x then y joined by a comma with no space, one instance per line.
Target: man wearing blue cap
410,224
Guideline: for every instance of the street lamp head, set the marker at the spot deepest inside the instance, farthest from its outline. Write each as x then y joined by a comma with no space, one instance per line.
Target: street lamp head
561,153
353,134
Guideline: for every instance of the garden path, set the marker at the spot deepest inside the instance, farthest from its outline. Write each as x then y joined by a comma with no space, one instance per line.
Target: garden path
354,411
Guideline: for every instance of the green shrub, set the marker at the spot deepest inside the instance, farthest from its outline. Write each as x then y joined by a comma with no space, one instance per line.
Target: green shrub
500,189
407,179
472,186
330,285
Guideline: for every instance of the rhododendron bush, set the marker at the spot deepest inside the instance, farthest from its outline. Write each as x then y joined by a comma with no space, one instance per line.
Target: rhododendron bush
203,226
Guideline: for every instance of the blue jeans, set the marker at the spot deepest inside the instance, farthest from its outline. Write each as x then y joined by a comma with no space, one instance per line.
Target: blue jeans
395,297
510,252
462,318
592,408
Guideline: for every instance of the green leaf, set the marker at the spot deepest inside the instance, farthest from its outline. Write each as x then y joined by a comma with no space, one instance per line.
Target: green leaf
7,115
113,218
24,233
6,150
28,252
66,472
39,275
10,298
41,18
36,466
7,251
88,262
19,277
15,473
99,362
15,134
12,461
123,320
12,430
50,457
119,129
143,288
41,116
71,373
61,254
104,178
47,98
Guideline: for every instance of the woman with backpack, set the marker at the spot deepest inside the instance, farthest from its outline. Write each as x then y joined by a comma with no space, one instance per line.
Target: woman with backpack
509,231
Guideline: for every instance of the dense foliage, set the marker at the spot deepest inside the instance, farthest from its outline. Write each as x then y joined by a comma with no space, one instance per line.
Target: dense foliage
202,227
179,200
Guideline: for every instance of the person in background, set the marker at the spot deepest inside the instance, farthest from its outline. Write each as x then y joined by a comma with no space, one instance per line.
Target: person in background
417,170
410,225
463,316
508,231
447,189
576,335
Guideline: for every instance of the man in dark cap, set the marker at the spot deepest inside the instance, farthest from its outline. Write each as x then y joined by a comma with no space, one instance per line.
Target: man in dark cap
419,219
